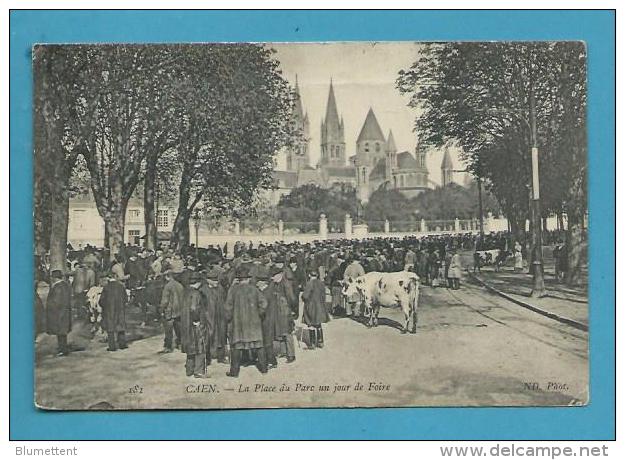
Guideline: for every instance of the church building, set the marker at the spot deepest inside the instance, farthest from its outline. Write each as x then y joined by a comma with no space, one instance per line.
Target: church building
376,162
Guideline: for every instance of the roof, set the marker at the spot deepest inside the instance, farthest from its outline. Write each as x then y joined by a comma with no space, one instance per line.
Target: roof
286,179
136,200
405,160
371,129
447,163
340,171
379,170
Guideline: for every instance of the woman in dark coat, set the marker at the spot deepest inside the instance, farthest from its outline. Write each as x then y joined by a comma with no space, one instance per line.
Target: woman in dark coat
59,310
113,301
315,312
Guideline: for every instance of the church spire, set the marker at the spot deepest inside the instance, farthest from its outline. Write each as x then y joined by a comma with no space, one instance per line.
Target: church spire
447,169
332,134
447,163
299,111
390,143
332,114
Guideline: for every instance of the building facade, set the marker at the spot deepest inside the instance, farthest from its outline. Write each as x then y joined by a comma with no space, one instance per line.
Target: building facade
87,227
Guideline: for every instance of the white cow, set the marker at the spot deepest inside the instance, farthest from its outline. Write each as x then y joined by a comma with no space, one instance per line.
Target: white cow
376,289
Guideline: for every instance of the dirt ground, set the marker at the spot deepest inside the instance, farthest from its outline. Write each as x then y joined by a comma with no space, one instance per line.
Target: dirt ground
472,348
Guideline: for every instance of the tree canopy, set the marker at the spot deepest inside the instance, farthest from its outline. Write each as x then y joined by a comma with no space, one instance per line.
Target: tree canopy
486,96
303,206
204,120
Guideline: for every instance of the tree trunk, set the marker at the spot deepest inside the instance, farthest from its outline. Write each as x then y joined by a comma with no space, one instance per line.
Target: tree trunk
149,209
56,170
574,246
41,214
114,224
58,229
180,233
180,237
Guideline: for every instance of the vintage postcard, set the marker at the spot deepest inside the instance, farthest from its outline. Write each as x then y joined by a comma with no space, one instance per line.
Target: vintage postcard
275,225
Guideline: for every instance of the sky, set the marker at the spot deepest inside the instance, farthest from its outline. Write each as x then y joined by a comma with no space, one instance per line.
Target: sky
363,75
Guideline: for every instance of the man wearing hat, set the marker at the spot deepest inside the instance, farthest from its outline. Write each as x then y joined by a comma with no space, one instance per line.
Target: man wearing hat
59,311
195,327
214,296
455,269
334,279
315,312
117,269
245,306
290,284
113,301
176,265
353,271
171,303
279,323
157,264
84,279
268,321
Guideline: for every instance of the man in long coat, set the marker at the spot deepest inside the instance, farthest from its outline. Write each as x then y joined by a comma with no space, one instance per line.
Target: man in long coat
334,279
268,321
84,279
455,269
171,303
279,321
195,328
353,271
245,306
113,301
40,314
315,312
215,297
59,311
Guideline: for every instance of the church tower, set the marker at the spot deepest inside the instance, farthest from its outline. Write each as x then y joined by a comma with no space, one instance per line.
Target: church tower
421,150
298,156
332,135
391,158
370,149
447,169
371,144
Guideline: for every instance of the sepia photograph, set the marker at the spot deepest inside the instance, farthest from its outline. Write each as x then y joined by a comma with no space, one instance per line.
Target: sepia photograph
303,225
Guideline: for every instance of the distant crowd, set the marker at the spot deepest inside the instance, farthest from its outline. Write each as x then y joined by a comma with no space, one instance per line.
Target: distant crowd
239,305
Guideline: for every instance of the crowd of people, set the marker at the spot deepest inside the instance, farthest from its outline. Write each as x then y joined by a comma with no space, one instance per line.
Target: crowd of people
238,305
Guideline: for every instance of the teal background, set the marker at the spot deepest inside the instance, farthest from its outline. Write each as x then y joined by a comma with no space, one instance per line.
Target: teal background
596,28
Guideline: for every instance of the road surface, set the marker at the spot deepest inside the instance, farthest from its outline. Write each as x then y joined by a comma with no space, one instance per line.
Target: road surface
472,348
